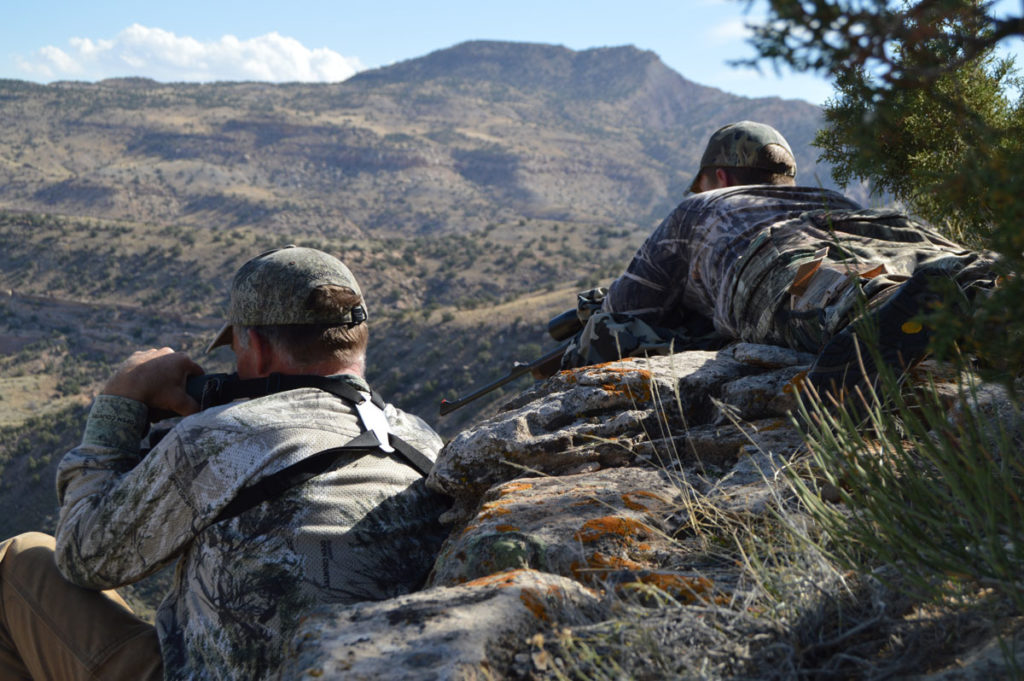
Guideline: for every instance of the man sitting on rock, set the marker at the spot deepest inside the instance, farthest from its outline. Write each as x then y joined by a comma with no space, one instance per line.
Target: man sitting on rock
749,255
310,492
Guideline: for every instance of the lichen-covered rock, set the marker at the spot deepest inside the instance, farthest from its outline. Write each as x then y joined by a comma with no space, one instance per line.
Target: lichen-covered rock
991,412
719,446
459,633
601,416
583,419
585,526
759,396
611,506
768,356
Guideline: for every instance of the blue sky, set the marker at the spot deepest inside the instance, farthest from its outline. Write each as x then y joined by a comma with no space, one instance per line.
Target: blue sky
329,40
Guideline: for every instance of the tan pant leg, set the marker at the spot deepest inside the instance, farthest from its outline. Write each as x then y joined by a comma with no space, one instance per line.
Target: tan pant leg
52,629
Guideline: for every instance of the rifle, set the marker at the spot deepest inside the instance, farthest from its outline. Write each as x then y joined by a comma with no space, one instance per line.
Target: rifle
560,328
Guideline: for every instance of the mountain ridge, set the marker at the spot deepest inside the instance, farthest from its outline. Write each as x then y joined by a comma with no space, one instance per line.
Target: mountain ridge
481,127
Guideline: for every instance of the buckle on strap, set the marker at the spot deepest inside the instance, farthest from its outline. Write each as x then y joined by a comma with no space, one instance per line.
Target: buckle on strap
375,422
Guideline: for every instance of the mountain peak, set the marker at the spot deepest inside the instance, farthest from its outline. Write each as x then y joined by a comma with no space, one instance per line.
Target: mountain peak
597,73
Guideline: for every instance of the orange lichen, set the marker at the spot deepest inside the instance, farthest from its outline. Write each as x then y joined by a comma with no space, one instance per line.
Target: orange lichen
510,487
628,391
534,604
600,561
640,393
611,366
634,505
493,509
500,579
506,528
598,566
774,425
796,383
618,526
636,393
490,513
683,588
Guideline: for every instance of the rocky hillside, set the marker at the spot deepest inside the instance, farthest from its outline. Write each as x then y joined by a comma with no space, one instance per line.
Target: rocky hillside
482,133
634,520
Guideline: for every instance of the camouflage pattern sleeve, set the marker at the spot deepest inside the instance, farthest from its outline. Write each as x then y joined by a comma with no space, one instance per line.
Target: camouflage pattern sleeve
688,266
116,507
653,285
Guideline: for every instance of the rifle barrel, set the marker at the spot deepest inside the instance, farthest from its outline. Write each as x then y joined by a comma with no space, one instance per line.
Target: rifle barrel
518,369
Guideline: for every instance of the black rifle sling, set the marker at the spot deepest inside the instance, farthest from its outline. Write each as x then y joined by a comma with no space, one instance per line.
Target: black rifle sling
231,388
278,483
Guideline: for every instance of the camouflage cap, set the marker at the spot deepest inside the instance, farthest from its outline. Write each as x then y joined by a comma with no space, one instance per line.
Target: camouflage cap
743,145
273,289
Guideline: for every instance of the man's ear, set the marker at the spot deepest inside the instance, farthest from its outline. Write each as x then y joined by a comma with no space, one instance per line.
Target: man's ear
722,179
262,357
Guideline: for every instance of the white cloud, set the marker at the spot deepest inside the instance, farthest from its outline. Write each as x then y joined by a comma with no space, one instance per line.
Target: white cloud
164,56
731,31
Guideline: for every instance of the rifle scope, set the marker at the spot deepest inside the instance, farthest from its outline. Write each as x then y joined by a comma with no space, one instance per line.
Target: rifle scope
564,325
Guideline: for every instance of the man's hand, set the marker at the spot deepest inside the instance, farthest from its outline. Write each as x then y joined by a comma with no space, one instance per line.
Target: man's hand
157,379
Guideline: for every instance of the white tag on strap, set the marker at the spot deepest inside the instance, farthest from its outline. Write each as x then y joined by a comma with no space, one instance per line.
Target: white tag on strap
374,420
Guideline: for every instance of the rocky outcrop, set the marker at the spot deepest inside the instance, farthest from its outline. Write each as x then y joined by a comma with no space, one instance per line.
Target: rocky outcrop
602,502
573,488
461,632
664,410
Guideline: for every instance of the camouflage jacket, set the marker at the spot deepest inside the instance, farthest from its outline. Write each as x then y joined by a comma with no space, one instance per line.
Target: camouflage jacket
366,530
771,264
689,263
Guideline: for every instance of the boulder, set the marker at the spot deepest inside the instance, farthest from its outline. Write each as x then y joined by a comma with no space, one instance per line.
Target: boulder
585,526
457,633
586,419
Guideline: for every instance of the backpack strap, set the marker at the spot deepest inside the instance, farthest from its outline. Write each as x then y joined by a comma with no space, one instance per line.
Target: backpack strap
375,438
413,456
278,483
